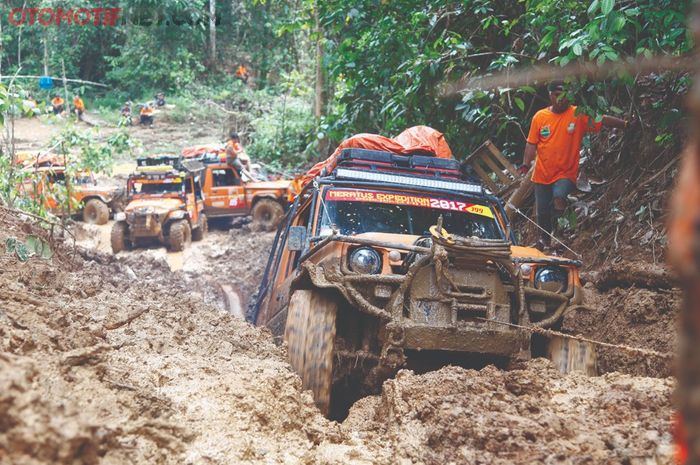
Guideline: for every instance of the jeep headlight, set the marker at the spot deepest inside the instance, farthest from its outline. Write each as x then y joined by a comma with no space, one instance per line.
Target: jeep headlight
177,214
120,216
365,260
552,279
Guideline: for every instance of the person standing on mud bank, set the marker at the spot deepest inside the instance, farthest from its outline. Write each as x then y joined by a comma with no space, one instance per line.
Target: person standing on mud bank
554,144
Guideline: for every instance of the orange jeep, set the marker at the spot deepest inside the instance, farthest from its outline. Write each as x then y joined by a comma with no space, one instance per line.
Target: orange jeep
95,201
392,258
227,195
164,203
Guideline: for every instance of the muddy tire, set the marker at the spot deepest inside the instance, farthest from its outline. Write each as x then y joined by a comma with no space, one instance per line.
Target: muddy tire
95,211
310,333
180,236
267,214
199,233
118,237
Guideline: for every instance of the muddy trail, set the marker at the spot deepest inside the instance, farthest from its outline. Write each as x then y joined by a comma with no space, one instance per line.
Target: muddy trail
120,360
138,358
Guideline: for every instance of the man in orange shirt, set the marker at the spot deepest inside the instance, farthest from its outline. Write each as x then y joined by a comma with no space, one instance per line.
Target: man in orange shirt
242,73
237,157
58,104
78,107
146,115
554,143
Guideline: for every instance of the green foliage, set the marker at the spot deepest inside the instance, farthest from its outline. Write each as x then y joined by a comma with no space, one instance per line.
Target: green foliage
387,60
281,136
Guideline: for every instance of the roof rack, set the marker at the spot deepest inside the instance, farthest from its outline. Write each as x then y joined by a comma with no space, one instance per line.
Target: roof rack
375,165
158,160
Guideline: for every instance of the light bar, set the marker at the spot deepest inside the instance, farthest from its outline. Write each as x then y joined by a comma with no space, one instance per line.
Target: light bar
409,181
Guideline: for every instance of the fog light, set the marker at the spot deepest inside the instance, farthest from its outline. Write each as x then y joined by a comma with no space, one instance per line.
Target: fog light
395,256
365,260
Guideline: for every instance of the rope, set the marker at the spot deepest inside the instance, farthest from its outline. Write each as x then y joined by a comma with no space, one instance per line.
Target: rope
517,210
550,333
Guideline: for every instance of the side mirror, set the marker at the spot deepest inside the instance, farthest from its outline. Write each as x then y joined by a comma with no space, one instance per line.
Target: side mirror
296,238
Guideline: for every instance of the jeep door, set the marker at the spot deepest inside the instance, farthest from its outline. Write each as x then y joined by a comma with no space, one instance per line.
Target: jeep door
192,203
226,194
284,267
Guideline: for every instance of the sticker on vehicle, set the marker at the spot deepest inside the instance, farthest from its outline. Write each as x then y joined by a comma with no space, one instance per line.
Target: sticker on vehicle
409,200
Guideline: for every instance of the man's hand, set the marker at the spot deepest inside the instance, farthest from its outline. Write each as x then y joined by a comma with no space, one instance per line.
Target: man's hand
524,168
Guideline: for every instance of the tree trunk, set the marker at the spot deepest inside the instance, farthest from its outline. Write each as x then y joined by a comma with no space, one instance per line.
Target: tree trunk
212,31
320,95
318,92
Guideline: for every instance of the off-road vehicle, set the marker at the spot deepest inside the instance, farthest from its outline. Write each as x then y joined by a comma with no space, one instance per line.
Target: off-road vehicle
94,201
390,258
164,203
226,194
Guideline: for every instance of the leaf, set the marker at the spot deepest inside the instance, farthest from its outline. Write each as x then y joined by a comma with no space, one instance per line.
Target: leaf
577,49
606,6
519,102
593,7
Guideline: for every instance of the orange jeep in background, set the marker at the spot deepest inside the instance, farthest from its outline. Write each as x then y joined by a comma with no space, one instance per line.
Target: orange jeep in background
164,203
94,201
226,194
390,259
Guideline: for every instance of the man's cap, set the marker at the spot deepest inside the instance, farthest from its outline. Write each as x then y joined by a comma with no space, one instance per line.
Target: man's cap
555,86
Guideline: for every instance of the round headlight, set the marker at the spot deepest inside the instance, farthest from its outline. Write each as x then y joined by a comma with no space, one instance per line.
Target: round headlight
551,278
365,260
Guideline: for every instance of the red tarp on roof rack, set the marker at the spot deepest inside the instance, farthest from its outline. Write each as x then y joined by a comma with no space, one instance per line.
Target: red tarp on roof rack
418,139
190,152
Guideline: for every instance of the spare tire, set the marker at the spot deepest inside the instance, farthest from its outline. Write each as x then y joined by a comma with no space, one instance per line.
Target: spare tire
95,211
267,214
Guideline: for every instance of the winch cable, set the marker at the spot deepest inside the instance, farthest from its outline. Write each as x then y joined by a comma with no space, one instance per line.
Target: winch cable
552,333
517,210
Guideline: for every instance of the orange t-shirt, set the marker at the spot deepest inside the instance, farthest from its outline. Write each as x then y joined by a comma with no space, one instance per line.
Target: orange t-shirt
56,101
558,139
79,104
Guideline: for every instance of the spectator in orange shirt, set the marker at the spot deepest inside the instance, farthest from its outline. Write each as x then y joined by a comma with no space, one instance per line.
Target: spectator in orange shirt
78,107
237,157
146,115
242,73
58,104
554,144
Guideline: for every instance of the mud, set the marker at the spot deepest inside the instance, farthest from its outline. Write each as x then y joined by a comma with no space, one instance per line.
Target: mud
644,318
235,257
528,415
98,367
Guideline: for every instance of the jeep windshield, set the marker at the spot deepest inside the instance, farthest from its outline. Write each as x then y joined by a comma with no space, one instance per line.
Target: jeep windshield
167,187
354,211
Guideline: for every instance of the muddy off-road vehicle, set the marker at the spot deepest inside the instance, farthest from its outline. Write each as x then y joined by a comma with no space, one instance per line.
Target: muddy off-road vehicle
227,195
393,258
164,203
95,202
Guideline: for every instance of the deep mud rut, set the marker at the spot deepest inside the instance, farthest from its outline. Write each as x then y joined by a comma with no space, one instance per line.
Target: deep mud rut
135,359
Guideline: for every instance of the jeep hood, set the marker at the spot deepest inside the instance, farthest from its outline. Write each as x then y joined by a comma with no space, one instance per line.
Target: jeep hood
157,205
268,185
